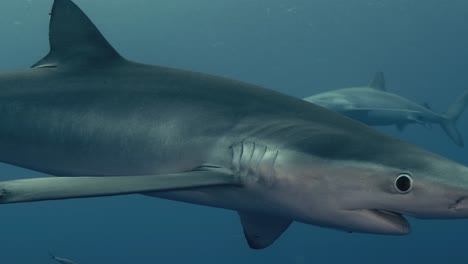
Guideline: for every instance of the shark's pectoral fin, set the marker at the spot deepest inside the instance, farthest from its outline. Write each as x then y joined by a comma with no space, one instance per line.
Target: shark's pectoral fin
57,188
74,39
262,230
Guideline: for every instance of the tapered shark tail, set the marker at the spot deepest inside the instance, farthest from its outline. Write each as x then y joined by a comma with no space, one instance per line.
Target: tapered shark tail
451,117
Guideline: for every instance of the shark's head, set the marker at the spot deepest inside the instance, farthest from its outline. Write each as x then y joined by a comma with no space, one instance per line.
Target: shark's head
369,183
379,194
331,100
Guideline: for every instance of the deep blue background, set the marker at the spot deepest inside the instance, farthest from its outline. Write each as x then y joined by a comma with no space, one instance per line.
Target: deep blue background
299,47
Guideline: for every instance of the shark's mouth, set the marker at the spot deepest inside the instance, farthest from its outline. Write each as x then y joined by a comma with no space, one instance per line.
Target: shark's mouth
391,223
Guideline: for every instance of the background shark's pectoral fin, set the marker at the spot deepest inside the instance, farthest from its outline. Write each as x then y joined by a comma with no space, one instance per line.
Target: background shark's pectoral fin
378,82
262,230
74,39
416,118
57,188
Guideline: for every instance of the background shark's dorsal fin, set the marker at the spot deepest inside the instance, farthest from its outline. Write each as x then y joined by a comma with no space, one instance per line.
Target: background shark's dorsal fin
74,39
378,82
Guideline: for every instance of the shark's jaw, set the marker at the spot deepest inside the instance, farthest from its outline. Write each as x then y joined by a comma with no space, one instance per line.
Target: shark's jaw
392,223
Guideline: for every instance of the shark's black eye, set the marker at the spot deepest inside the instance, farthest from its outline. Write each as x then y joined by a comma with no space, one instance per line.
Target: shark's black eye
403,183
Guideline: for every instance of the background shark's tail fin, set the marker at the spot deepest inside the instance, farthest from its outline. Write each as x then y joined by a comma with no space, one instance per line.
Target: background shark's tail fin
451,117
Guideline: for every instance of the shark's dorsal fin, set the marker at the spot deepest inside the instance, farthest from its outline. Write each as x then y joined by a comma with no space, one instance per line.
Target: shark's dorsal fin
74,39
262,230
378,82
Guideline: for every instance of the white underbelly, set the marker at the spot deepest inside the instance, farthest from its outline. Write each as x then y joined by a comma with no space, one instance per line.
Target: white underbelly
232,198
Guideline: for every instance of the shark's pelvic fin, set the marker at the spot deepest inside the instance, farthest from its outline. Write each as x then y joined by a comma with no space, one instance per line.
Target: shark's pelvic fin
262,230
74,39
57,188
378,82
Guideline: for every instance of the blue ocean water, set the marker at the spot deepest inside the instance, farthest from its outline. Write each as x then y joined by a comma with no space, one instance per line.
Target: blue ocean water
298,47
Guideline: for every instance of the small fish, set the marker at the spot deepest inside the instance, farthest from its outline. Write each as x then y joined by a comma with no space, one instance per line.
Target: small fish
61,260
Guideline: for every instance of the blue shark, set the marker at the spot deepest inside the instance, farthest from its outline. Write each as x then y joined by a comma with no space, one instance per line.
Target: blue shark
99,124
375,106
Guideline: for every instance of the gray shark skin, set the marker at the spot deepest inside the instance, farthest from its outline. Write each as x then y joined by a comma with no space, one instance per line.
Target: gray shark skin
110,126
375,106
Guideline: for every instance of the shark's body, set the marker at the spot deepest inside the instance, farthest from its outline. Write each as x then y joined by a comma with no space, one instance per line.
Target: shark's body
375,106
85,111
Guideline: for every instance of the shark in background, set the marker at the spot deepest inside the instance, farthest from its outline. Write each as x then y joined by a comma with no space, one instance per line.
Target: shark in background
99,125
375,106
